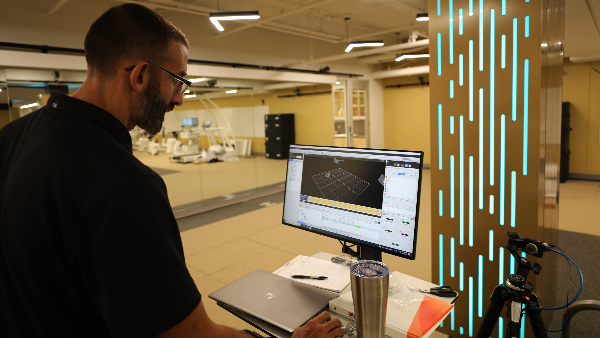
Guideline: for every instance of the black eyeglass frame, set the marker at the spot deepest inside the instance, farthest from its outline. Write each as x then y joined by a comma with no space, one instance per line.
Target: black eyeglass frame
185,84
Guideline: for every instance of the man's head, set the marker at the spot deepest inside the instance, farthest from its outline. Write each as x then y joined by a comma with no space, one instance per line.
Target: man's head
119,45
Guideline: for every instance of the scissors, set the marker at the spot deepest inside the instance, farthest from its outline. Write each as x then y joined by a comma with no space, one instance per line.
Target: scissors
442,291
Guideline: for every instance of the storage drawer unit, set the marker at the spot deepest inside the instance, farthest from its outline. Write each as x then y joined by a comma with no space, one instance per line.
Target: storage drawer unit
279,134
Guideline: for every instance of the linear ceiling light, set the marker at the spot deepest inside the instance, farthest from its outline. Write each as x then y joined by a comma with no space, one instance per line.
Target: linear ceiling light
216,17
412,56
29,106
231,91
188,96
423,17
377,43
200,79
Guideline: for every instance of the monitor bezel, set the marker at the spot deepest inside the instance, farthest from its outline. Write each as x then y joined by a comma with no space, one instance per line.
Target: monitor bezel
354,240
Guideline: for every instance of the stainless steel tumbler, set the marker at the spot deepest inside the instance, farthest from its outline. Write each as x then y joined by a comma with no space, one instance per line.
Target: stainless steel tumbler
370,285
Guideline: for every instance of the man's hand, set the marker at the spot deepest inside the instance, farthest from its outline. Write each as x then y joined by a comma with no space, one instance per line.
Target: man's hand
321,326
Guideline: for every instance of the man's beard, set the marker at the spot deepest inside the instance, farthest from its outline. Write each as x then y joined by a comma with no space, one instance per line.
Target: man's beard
152,108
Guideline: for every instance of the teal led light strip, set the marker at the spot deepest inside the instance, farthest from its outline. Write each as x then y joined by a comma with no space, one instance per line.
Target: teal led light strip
470,7
470,306
438,7
502,164
500,327
480,35
503,52
525,115
452,125
460,69
480,148
491,246
451,32
451,89
512,265
452,257
451,186
471,201
492,90
501,266
470,80
452,320
460,21
527,26
513,198
480,288
462,180
461,330
491,204
461,282
441,259
514,72
503,7
441,203
440,135
439,59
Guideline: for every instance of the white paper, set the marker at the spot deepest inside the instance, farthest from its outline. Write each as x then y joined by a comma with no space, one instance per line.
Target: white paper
338,275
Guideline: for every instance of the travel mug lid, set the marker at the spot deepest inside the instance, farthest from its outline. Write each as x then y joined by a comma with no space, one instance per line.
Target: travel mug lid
369,269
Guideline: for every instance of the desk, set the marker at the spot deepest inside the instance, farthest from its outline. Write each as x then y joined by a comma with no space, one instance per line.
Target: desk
273,331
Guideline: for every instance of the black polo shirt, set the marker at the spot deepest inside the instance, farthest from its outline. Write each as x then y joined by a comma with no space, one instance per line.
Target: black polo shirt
89,246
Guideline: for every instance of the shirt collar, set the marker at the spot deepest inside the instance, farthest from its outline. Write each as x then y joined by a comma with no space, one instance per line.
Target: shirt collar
72,105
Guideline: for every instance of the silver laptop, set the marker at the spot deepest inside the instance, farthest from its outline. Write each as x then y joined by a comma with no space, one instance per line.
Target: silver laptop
279,301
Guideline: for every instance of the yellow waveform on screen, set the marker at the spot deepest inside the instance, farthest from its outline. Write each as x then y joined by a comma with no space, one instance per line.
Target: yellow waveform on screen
346,206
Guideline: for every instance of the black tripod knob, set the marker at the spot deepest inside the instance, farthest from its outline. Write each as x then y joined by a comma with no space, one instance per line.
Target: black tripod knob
516,282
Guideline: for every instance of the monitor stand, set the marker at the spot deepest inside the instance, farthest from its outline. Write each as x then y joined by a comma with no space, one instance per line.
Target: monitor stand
366,253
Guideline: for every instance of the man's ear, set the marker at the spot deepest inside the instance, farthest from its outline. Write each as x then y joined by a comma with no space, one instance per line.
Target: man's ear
140,77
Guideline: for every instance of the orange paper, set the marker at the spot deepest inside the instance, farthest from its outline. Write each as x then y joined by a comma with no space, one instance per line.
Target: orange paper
431,311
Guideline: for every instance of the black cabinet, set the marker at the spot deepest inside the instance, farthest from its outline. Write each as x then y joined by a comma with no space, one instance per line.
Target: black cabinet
279,134
565,151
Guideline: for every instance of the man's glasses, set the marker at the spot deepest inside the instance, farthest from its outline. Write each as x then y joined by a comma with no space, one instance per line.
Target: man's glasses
183,84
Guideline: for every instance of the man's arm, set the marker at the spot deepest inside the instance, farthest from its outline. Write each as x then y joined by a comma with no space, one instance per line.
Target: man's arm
198,324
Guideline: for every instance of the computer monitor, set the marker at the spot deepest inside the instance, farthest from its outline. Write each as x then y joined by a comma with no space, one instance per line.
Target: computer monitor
206,124
190,121
368,197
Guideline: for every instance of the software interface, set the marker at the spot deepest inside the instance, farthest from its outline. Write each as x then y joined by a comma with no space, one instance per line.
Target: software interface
365,196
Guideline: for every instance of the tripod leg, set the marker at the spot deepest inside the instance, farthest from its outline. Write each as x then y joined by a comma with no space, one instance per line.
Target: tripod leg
513,327
493,312
535,317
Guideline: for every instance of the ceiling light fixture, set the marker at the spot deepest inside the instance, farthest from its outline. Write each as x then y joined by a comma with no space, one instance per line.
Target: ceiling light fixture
28,106
231,91
216,17
412,56
187,91
200,79
189,96
423,17
374,43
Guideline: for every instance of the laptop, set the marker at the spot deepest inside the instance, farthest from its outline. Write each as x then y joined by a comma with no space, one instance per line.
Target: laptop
277,300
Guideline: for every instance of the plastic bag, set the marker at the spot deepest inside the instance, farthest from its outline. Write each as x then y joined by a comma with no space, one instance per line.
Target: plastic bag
402,295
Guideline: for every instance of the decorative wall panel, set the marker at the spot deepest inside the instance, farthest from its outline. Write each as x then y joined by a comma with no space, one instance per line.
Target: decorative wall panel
496,90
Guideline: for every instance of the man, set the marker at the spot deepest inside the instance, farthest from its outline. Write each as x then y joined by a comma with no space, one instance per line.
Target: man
89,246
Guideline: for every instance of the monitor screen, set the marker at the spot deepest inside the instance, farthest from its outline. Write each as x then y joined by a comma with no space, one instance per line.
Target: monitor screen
190,121
368,197
206,124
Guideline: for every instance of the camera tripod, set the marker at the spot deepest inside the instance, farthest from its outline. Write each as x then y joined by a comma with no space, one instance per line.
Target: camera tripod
515,292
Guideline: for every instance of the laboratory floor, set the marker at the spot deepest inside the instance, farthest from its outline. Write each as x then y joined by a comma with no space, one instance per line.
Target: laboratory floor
236,243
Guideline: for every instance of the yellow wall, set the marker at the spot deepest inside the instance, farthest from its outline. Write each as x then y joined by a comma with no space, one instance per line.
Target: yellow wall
313,113
581,87
406,115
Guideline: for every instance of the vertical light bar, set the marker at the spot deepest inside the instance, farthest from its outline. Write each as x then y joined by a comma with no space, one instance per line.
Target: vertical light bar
491,246
460,21
471,201
480,288
503,7
470,306
500,327
470,80
501,266
502,164
513,198
451,89
462,180
440,135
452,125
441,259
480,148
525,115
460,69
461,282
492,90
491,204
441,203
452,257
480,35
451,186
514,71
439,43
503,52
470,7
512,265
438,7
451,32
461,330
527,26
452,320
